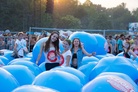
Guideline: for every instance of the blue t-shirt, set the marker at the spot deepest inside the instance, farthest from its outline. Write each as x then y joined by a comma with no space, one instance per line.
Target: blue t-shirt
120,44
80,55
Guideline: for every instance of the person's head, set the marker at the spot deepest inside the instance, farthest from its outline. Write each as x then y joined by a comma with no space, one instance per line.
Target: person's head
76,42
122,36
62,37
54,39
66,44
20,35
127,45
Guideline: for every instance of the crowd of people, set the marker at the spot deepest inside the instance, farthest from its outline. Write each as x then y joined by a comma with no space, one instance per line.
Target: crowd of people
122,43
73,51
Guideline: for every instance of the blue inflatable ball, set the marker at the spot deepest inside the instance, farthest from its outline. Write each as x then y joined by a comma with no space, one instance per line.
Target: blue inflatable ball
31,66
1,63
87,59
4,60
122,75
73,71
120,54
36,50
115,64
42,66
87,39
100,50
110,55
7,81
7,54
19,59
22,74
102,56
59,80
29,55
110,83
33,88
87,68
134,62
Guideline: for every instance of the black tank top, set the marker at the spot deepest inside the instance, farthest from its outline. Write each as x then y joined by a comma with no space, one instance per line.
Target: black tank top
126,55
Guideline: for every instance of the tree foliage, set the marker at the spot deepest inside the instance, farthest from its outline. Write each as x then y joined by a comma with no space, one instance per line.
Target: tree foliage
19,15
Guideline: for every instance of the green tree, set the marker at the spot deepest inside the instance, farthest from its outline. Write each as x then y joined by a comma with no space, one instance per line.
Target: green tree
69,22
135,15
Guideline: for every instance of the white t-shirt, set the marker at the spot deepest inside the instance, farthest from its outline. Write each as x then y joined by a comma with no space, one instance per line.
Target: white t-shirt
67,53
50,56
20,46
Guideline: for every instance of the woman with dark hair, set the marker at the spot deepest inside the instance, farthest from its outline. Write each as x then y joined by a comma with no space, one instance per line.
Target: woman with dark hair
127,51
78,49
51,51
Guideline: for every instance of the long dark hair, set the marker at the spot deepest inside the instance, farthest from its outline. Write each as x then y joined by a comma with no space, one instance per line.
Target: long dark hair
56,43
73,43
129,46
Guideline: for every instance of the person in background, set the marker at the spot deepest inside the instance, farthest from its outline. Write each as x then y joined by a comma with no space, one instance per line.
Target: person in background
2,43
127,51
134,46
51,51
62,37
78,49
120,43
113,44
19,45
32,43
66,53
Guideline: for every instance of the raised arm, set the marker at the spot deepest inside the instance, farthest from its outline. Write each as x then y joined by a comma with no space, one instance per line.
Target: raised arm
68,60
40,53
132,53
86,53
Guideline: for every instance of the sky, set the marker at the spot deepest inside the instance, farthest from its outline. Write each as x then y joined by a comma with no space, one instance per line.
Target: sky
130,4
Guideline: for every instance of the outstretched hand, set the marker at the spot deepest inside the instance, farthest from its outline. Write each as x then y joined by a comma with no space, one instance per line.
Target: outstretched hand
93,53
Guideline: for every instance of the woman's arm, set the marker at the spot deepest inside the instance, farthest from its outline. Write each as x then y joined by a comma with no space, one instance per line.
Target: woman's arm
40,53
134,55
86,53
68,60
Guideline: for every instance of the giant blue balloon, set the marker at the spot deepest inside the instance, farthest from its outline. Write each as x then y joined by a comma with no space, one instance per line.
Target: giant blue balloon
42,66
87,68
115,64
31,66
1,63
19,59
22,74
59,80
100,47
87,59
33,88
118,82
29,55
73,71
7,81
7,54
36,50
4,60
102,56
89,41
